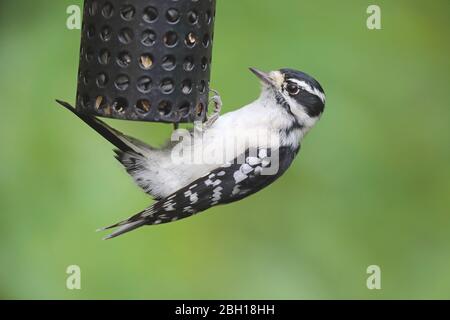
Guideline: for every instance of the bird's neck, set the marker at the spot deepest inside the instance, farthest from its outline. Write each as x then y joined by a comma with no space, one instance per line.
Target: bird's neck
278,118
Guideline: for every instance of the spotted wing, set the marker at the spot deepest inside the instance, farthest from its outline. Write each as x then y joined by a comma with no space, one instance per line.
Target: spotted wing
246,175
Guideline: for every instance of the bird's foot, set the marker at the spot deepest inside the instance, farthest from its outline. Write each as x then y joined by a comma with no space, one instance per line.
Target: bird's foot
217,101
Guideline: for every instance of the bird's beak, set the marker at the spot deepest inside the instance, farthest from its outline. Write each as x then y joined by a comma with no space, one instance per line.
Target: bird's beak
265,77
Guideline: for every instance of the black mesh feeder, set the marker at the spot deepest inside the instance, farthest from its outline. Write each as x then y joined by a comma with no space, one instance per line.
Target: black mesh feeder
147,60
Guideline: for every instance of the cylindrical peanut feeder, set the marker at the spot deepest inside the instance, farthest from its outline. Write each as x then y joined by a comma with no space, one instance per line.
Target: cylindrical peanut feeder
147,60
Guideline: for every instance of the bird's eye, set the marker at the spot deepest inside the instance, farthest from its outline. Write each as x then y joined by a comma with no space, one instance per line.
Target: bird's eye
292,89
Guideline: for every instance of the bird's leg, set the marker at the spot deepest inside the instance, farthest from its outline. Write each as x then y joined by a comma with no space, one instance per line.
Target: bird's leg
217,109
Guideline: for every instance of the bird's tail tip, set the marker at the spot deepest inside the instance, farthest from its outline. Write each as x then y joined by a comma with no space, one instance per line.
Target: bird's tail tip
64,104
123,228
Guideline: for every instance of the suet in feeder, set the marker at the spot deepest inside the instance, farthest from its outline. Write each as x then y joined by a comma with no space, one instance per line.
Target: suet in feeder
147,60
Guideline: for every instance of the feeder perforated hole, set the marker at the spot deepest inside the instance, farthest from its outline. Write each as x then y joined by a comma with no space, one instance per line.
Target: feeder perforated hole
146,61
85,101
89,55
100,103
188,64
144,84
170,39
127,12
169,63
106,34
208,17
102,80
167,86
206,40
143,106
148,38
172,15
186,86
122,82
126,35
93,8
108,10
86,77
192,17
120,105
199,109
204,63
123,59
202,86
184,108
104,57
150,14
164,108
190,40
91,32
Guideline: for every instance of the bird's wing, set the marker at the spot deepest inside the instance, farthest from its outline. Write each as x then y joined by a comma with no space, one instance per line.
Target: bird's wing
247,174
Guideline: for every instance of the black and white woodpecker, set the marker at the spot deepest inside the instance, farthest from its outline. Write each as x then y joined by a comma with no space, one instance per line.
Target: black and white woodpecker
232,163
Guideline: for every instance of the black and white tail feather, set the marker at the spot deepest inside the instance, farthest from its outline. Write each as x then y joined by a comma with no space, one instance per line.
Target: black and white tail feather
131,152
118,139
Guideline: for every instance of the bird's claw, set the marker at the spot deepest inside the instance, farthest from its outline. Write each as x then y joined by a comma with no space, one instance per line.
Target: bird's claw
217,101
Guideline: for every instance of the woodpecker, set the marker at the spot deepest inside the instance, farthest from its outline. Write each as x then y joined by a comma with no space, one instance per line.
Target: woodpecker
239,153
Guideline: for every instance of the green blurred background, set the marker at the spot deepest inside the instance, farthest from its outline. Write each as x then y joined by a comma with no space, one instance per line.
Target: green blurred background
371,185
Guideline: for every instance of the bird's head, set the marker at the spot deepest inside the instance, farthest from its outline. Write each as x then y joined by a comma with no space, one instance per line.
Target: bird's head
299,93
